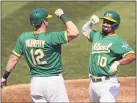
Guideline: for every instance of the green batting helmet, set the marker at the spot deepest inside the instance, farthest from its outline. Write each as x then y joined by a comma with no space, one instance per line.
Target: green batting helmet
113,17
38,15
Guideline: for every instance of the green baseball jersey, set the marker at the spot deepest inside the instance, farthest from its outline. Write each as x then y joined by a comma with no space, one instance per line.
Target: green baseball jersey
105,50
41,51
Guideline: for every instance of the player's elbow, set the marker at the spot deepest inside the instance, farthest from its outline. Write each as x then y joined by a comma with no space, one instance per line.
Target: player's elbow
131,57
134,56
76,33
73,33
84,32
72,29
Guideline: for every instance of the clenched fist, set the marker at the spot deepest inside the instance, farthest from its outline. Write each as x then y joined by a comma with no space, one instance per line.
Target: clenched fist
114,66
94,19
59,12
3,82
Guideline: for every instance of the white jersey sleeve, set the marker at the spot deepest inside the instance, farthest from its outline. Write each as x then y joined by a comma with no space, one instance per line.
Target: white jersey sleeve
86,28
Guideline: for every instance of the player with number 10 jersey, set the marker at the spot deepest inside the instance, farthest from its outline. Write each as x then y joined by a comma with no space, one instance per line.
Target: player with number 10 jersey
106,50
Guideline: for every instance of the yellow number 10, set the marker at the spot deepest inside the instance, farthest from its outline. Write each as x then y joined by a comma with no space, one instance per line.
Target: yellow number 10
102,61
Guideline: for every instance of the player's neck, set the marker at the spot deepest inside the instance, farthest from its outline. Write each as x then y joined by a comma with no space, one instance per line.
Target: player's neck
40,30
111,33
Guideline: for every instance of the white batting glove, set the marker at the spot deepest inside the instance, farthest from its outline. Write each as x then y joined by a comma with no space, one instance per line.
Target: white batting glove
59,12
94,19
3,82
114,66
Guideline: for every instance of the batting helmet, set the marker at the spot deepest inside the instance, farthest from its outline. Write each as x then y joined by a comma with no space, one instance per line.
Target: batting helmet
113,17
38,15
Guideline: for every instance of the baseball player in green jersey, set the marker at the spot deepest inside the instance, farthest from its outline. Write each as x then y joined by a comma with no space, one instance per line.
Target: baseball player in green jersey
42,51
108,52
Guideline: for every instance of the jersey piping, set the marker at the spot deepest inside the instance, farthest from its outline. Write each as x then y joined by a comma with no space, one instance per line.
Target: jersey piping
17,54
128,53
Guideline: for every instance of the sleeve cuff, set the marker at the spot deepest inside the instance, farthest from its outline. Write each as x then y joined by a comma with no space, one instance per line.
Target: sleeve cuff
15,53
66,36
89,34
128,53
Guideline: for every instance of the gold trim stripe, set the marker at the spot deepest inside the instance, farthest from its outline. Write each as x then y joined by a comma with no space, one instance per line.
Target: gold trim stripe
16,53
66,36
128,53
111,34
89,34
109,18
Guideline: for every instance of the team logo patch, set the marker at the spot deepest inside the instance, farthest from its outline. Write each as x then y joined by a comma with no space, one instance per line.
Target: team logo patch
108,14
125,45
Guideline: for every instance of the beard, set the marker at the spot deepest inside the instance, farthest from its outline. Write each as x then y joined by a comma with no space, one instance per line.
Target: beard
105,30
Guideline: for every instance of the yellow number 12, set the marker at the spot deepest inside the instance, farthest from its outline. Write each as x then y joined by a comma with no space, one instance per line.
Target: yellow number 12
37,55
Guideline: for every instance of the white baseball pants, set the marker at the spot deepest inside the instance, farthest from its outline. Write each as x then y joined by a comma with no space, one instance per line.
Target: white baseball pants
104,91
48,89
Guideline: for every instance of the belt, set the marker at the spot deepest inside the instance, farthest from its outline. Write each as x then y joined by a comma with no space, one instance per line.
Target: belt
99,79
59,73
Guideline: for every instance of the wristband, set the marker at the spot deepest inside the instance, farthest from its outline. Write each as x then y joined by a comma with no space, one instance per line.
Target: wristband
64,18
6,74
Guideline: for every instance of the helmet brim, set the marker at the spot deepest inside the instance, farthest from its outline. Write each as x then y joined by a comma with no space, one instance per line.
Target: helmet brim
49,16
108,18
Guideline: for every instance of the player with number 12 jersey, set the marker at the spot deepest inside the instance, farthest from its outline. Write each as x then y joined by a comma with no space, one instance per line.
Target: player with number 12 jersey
42,52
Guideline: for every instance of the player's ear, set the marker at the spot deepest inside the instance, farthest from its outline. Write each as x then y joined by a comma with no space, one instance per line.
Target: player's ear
45,22
114,26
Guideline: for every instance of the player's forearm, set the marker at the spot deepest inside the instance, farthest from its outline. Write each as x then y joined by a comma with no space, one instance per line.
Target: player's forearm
13,60
86,28
71,29
127,59
70,26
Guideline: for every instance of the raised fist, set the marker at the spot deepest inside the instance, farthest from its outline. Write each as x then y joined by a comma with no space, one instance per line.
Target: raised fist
94,19
59,12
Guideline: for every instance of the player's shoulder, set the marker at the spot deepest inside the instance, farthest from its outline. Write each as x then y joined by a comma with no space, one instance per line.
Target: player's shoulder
57,32
117,39
26,33
51,34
